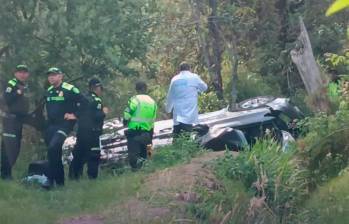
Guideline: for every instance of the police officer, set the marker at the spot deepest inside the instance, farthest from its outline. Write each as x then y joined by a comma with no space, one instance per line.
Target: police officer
90,127
62,106
16,110
139,116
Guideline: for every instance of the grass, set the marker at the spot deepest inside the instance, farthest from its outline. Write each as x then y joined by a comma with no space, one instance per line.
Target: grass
330,203
25,204
230,200
29,204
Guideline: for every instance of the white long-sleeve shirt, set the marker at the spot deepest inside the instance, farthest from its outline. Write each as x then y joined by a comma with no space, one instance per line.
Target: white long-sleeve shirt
182,97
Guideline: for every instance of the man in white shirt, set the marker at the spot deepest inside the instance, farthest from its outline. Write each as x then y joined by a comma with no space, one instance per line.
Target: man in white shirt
182,99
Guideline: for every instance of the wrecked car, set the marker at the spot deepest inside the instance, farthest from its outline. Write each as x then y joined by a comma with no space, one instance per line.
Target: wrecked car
219,130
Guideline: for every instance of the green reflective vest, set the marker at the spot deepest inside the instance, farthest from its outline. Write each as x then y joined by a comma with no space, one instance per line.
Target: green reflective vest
141,113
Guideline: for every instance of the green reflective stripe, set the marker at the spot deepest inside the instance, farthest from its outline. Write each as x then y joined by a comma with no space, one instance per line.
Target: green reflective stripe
12,82
50,88
62,132
55,98
9,135
67,86
98,99
95,149
76,90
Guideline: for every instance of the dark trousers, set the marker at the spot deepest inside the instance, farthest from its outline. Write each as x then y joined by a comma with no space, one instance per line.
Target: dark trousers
87,151
54,138
137,141
181,128
10,144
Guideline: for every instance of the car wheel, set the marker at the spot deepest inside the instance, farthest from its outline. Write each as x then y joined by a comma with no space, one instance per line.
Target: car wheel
255,102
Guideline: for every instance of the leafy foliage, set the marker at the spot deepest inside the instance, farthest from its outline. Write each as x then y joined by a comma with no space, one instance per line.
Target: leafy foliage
325,146
275,179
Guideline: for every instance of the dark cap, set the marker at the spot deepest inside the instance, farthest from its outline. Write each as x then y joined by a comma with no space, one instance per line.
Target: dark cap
54,70
94,83
22,68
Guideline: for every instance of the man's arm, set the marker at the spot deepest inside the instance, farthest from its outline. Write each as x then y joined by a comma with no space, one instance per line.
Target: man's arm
97,108
11,93
201,85
129,110
79,103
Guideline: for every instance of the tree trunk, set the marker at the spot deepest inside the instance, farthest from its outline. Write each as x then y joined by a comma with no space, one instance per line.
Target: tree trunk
282,7
195,5
304,59
215,43
234,80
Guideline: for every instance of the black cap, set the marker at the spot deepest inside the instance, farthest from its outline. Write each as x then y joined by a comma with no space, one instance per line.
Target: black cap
22,68
54,70
94,83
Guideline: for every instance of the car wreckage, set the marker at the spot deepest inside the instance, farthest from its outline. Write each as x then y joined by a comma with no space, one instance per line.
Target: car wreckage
234,130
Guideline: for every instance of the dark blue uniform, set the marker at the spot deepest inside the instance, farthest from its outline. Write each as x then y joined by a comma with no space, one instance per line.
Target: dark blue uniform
16,110
90,127
61,100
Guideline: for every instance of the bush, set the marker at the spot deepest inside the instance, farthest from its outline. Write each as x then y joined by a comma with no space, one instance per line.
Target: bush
209,102
252,85
274,178
324,149
182,150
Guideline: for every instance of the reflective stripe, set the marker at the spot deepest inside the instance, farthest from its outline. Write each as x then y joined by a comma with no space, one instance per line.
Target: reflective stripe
50,88
62,132
67,86
95,149
9,135
12,82
55,98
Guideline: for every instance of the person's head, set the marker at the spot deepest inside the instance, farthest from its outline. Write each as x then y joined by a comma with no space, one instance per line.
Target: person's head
184,66
141,87
55,76
95,86
22,73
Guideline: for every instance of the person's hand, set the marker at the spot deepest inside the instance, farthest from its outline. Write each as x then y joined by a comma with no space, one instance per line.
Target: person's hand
69,116
106,110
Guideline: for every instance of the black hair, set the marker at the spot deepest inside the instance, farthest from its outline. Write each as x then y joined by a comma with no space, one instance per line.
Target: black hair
141,87
184,66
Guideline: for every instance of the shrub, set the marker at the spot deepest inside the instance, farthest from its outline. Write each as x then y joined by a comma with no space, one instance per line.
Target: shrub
324,149
182,150
209,102
275,179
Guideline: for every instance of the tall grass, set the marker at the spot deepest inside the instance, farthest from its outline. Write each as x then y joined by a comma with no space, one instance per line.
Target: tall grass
273,183
20,203
325,147
329,203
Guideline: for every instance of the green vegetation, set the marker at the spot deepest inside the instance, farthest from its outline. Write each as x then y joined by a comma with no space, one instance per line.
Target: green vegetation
329,204
20,203
240,48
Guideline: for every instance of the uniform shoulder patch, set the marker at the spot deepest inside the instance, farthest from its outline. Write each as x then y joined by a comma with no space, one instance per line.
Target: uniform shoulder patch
67,86
76,90
8,89
12,82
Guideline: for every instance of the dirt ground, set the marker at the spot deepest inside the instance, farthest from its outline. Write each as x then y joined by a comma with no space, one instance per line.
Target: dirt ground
164,196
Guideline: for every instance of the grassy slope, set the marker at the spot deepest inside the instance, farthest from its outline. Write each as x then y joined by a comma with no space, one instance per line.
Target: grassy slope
330,203
26,204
